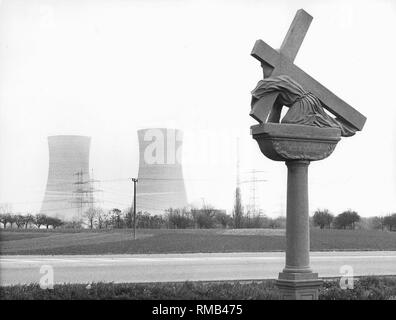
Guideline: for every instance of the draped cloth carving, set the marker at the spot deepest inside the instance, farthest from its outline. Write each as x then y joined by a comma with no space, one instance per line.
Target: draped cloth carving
304,107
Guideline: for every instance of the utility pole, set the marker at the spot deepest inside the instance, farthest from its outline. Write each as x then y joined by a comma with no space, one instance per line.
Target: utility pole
134,180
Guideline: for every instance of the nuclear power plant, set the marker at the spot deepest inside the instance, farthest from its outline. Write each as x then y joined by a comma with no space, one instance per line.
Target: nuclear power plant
68,191
160,179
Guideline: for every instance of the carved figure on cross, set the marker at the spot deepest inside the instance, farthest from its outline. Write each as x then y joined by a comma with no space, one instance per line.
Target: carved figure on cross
285,84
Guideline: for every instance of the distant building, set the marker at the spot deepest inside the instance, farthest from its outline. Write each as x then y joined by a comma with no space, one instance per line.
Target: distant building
161,183
68,173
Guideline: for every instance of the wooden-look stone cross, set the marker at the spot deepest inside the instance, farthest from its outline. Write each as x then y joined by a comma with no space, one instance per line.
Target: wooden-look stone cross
297,140
280,62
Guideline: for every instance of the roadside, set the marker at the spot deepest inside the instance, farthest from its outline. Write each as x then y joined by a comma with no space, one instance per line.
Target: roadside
366,288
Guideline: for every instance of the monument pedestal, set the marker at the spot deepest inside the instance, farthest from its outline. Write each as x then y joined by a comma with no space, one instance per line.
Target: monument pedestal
299,286
284,84
297,145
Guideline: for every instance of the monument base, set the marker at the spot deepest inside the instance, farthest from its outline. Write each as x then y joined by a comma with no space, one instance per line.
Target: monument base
299,286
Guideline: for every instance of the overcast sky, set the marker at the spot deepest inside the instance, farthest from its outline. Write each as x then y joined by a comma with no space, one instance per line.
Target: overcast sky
107,68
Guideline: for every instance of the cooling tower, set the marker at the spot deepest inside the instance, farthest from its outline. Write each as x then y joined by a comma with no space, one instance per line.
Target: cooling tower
161,184
68,175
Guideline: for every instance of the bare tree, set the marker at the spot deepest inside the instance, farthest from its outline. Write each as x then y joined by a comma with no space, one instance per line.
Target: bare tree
29,219
5,214
11,220
106,219
4,219
20,220
204,218
56,222
100,217
90,215
39,220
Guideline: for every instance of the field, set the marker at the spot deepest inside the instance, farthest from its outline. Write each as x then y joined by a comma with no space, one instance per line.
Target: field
50,242
366,288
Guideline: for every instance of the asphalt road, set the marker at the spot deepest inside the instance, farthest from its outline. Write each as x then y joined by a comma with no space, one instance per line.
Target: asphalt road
182,267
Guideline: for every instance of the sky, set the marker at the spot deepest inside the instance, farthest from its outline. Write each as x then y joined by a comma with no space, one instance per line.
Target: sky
108,68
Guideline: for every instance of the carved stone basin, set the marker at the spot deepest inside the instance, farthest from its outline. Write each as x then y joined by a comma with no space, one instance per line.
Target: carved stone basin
285,142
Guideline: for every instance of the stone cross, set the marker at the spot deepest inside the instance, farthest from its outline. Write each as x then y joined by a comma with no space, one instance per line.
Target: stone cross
281,62
297,145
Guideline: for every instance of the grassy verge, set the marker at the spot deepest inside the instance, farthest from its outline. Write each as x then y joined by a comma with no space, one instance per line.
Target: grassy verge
367,288
48,242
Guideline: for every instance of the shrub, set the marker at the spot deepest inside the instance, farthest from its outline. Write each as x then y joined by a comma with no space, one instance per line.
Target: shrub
204,218
366,288
222,219
277,223
179,219
146,220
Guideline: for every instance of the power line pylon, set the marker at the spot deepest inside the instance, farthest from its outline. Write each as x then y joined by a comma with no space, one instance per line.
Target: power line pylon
83,195
254,200
253,197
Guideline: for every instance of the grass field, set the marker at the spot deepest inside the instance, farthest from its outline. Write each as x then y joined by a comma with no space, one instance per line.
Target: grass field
182,241
367,288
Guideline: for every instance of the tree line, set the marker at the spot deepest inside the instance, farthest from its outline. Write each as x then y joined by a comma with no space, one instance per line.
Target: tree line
173,218
28,221
206,217
350,219
200,218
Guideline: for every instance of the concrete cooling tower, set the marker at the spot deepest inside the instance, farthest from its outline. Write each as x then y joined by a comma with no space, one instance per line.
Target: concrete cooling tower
68,175
161,184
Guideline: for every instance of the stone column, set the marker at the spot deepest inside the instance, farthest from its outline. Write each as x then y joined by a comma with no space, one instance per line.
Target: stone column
297,145
297,220
297,281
